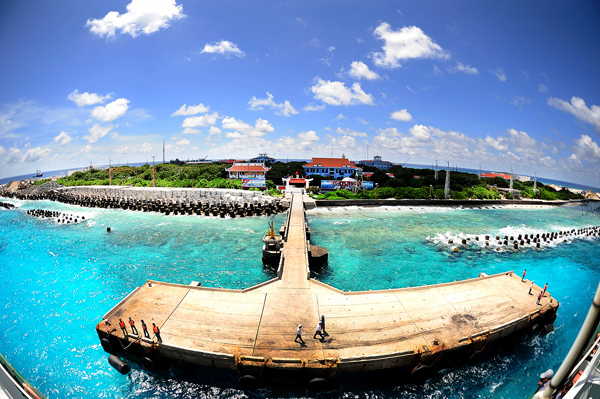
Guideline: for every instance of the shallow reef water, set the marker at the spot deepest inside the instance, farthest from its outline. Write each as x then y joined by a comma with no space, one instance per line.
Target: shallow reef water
56,282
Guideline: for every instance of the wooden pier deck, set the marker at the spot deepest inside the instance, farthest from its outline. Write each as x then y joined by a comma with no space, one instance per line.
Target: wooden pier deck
254,328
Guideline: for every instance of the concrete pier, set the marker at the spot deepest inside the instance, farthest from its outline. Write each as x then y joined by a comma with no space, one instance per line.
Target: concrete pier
252,331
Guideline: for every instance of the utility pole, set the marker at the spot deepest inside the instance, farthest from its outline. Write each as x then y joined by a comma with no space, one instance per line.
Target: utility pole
163,151
447,185
153,172
436,170
109,172
512,177
535,183
479,171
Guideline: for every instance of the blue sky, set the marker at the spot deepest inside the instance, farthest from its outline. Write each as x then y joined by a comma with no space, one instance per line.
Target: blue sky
499,84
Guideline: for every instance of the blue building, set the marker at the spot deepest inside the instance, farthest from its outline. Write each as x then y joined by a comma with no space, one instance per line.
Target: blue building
378,163
333,168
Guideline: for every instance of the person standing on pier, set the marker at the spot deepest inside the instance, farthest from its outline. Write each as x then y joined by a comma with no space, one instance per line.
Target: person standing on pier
122,325
323,325
545,288
531,287
133,327
299,334
156,332
319,331
523,278
540,298
145,328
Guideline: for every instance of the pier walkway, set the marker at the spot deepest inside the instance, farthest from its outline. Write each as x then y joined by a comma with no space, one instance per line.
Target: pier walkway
255,328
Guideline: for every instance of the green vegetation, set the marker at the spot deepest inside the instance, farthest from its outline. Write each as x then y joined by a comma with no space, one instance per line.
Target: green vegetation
167,175
407,183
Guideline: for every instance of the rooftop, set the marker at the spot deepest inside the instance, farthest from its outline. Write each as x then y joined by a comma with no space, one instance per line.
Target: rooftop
330,163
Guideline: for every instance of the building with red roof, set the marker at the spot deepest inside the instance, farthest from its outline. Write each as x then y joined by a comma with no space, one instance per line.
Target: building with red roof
333,168
247,170
492,175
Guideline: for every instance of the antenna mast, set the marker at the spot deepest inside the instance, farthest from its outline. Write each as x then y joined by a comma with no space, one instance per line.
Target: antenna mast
447,185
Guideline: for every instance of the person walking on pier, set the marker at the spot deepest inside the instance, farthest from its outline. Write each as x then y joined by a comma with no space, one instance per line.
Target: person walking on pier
299,334
540,298
545,288
145,329
133,327
531,287
323,325
122,325
523,278
156,332
319,331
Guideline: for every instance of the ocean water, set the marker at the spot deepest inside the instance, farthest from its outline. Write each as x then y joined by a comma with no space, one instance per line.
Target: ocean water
57,280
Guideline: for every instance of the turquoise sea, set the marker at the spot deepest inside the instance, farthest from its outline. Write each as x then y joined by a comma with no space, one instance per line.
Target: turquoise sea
57,280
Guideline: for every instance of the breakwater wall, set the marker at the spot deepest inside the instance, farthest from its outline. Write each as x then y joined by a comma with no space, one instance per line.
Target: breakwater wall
167,200
463,203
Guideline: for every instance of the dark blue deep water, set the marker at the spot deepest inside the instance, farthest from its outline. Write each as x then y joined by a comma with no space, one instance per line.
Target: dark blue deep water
56,282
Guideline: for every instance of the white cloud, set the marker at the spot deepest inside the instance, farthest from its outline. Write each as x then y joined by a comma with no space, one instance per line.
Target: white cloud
214,130
460,67
191,110
336,93
14,156
518,142
142,16
578,108
63,138
313,107
310,136
203,120
86,98
517,101
35,154
406,43
349,132
189,130
284,108
122,150
330,48
97,132
420,132
586,149
360,70
339,117
497,144
499,73
261,127
362,121
2,150
401,115
233,135
183,142
111,111
542,89
146,147
223,47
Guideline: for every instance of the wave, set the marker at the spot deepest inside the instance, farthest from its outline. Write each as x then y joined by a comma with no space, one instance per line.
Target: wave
513,238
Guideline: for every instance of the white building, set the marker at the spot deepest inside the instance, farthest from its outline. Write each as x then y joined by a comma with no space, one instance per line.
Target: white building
378,163
247,170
